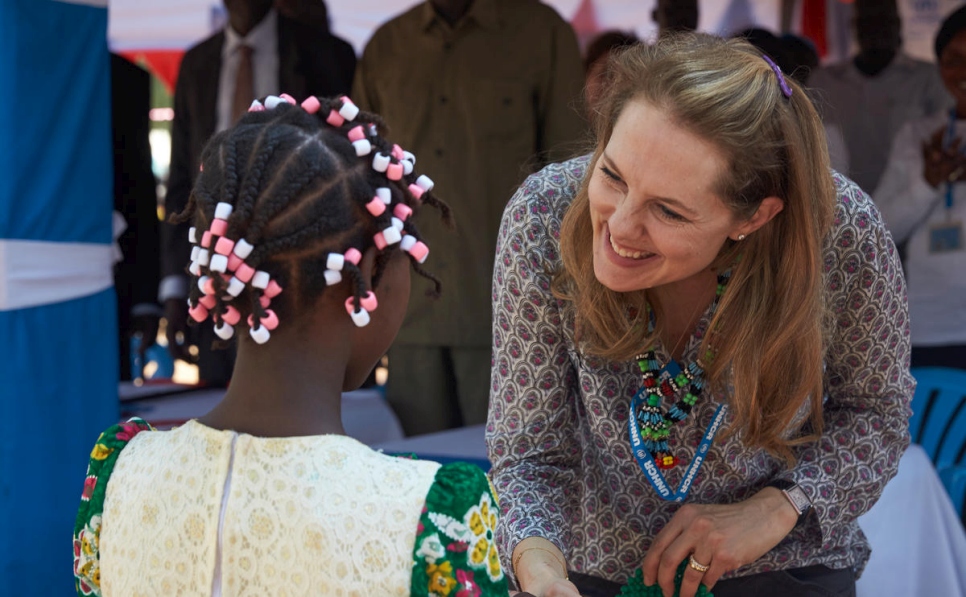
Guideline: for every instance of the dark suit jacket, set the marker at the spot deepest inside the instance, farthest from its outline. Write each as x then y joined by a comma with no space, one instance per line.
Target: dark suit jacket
136,277
311,62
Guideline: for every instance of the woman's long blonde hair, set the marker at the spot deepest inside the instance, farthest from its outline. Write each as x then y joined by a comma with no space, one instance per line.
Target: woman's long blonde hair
768,331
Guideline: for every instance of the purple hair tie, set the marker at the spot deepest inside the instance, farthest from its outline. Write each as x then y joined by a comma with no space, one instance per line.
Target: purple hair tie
778,73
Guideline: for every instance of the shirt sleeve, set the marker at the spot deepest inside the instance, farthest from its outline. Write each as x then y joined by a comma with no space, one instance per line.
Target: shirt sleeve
560,125
903,196
532,414
455,548
868,385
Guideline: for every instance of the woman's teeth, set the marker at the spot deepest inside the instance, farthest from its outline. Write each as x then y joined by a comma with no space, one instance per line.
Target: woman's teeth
626,253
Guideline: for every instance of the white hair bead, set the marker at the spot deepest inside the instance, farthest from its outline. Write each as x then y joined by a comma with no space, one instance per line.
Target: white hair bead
384,194
391,235
235,286
256,106
380,162
332,277
407,167
407,242
219,263
363,147
203,257
223,211
202,281
425,183
194,252
335,261
360,318
349,111
243,248
397,224
409,157
195,268
261,335
272,101
193,235
261,280
224,331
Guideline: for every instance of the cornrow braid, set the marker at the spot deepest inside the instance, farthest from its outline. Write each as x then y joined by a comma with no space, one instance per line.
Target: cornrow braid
289,193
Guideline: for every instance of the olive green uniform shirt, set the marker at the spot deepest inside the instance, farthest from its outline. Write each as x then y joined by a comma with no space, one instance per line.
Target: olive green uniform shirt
481,105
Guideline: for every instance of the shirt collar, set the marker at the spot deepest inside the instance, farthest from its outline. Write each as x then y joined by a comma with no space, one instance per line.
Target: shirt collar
260,37
484,12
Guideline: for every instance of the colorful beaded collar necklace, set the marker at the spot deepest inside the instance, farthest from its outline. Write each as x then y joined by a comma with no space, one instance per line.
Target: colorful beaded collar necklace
665,383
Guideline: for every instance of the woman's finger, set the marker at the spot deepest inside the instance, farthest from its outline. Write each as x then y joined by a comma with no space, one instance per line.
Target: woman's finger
652,560
699,564
683,546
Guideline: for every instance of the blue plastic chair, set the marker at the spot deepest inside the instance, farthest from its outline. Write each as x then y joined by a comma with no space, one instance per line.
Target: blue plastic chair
954,480
938,420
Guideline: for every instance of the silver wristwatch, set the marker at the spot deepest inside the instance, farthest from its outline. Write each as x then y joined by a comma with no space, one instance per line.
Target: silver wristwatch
795,495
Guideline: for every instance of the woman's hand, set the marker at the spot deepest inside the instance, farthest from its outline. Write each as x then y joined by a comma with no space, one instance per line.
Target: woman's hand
942,164
540,569
722,537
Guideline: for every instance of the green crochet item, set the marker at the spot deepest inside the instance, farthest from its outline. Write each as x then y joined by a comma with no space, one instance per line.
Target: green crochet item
635,586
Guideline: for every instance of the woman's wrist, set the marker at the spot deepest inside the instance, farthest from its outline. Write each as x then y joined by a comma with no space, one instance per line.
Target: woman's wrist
536,563
777,506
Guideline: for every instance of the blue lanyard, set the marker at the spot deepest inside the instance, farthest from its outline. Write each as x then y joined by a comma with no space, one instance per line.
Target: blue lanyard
947,141
646,461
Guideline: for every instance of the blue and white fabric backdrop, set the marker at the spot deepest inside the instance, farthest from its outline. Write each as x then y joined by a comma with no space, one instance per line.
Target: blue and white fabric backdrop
58,353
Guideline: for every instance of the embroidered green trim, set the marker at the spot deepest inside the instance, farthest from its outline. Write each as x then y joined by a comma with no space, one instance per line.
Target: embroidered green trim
87,527
455,551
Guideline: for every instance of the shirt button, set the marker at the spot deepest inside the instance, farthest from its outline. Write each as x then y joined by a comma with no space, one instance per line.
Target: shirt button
439,153
442,99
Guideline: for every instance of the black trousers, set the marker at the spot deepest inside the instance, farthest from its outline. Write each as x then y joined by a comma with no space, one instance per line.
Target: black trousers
812,581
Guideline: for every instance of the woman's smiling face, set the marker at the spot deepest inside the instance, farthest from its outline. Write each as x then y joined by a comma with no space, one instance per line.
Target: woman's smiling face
656,217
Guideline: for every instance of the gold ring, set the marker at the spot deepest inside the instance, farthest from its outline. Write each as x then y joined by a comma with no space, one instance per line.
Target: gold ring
696,565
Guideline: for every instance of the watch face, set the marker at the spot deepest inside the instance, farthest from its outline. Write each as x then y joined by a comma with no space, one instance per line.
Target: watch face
798,499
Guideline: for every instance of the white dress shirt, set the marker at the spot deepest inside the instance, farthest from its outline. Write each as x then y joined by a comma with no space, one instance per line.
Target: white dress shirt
910,208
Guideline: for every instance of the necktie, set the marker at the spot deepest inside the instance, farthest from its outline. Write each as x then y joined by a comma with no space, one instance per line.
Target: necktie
244,84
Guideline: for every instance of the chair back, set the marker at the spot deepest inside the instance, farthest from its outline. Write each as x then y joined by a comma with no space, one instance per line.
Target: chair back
938,420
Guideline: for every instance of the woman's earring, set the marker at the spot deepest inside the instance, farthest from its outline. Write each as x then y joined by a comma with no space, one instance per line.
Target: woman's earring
741,237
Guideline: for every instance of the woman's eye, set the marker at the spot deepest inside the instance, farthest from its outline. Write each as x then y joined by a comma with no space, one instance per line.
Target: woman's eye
671,215
609,174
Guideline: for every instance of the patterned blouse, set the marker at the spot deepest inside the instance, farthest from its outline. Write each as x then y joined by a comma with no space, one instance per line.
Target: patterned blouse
557,432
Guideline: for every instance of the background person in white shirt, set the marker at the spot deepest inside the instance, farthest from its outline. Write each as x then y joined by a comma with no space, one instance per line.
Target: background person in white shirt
923,202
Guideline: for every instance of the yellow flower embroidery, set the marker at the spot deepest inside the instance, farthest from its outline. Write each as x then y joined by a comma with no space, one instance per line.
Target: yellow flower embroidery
441,581
100,452
481,521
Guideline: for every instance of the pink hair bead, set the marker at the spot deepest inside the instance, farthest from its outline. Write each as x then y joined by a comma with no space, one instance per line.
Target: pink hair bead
376,207
398,153
356,134
288,98
369,302
264,301
394,172
335,119
380,240
207,301
199,313
206,239
353,256
234,262
350,305
311,104
402,211
244,272
419,251
270,320
231,316
219,227
417,191
208,288
273,289
224,246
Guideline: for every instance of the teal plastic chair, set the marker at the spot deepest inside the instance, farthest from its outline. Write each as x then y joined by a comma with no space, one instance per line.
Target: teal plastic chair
938,420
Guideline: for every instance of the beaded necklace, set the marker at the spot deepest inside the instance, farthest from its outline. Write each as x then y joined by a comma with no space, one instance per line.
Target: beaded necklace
664,383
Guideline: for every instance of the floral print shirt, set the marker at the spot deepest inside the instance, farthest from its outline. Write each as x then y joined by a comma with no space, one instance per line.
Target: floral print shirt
557,431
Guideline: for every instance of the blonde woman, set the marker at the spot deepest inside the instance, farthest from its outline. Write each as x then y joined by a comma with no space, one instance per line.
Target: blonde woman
701,344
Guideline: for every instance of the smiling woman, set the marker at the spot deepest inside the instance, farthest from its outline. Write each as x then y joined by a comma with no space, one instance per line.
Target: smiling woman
702,271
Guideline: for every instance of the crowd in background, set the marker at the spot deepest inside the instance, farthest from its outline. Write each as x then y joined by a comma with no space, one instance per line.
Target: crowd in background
486,92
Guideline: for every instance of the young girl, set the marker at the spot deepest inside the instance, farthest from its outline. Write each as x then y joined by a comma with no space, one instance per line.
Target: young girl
303,241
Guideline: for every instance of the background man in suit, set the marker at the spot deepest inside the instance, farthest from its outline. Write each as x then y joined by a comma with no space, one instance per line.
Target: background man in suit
136,276
260,52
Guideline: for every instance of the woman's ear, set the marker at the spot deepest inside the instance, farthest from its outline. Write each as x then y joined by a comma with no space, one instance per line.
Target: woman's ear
767,209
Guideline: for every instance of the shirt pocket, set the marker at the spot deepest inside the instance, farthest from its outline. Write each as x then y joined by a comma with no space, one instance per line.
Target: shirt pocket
504,111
